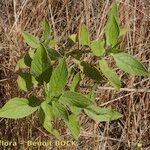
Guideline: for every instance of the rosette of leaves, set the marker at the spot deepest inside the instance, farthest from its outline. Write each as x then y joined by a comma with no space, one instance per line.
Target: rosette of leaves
44,66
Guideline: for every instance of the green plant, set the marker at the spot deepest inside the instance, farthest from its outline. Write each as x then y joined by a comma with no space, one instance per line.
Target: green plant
43,66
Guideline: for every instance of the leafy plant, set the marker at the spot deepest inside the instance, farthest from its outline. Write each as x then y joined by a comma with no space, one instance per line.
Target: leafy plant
45,67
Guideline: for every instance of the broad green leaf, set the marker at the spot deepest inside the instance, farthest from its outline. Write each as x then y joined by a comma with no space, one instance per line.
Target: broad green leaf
19,108
84,37
129,64
109,74
114,11
46,115
74,99
58,78
74,126
90,71
75,82
46,29
30,40
26,81
102,114
40,66
53,54
111,31
60,110
97,47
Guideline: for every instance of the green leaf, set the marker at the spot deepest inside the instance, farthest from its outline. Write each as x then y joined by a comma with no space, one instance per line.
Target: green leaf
75,99
112,26
40,66
74,126
102,114
46,29
110,74
58,78
90,71
75,82
129,64
112,31
26,81
114,11
97,47
19,108
53,54
60,110
46,115
84,38
30,40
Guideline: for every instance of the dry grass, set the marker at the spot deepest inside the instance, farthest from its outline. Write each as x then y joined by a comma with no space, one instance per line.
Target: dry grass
64,16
